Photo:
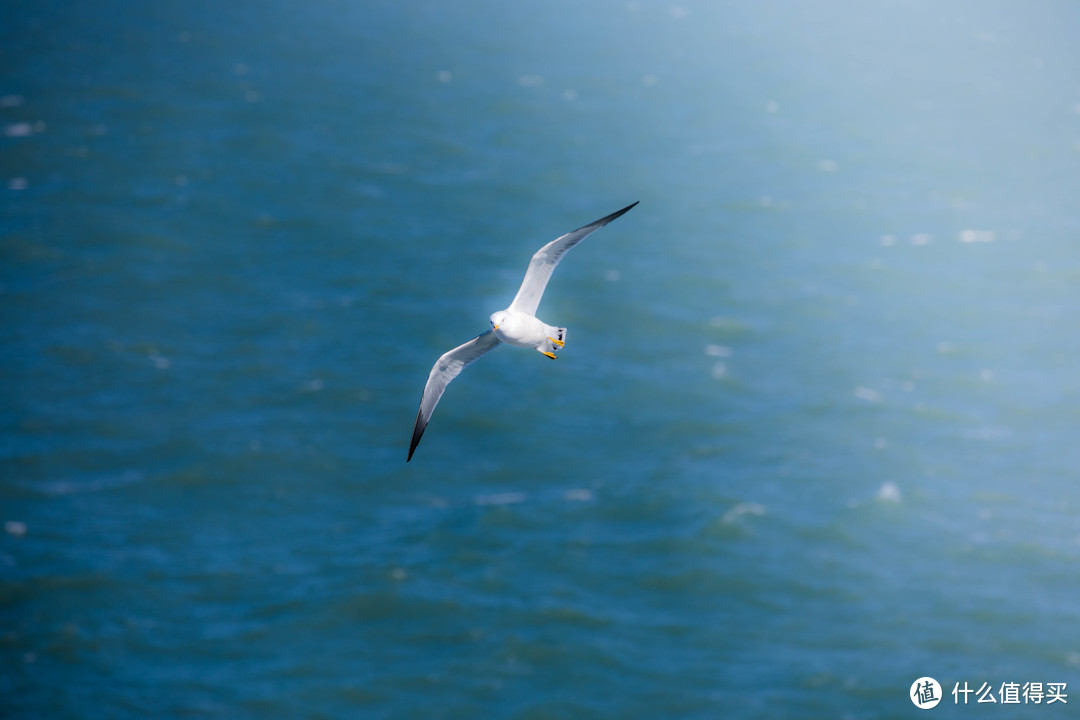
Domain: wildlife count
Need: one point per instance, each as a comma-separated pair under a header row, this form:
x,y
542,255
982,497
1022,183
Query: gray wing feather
x,y
446,368
546,258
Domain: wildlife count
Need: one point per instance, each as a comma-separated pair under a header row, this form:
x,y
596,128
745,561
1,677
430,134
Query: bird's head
x,y
498,319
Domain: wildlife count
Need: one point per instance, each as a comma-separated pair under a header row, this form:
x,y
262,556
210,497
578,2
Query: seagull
x,y
516,325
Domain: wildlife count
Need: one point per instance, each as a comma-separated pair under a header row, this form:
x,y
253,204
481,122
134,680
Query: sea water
x,y
813,435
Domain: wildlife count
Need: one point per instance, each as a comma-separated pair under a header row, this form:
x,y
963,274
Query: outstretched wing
x,y
546,258
446,368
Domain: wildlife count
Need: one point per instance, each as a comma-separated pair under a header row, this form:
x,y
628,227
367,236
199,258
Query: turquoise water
x,y
813,435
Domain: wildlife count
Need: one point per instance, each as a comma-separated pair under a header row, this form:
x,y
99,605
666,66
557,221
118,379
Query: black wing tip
x,y
617,214
418,432
626,209
597,224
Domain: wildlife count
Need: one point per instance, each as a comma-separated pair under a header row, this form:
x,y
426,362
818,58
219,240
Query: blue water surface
x,y
813,435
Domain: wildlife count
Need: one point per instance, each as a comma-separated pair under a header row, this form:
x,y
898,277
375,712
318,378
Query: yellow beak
x,y
494,326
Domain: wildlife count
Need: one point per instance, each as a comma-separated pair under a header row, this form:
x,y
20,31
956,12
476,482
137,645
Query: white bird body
x,y
516,325
528,331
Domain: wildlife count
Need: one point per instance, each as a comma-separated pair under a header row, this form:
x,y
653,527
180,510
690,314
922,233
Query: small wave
x,y
743,508
506,498
72,487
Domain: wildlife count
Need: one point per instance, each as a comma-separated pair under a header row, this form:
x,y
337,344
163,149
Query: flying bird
x,y
516,325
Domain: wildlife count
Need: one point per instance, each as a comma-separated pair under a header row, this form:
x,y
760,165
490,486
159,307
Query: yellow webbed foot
x,y
560,343
550,355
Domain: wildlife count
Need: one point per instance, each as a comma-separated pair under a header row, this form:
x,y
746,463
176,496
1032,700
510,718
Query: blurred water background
x,y
813,436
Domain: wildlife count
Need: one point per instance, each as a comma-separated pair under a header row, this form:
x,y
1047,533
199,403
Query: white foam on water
x,y
976,236
15,528
868,394
19,129
889,492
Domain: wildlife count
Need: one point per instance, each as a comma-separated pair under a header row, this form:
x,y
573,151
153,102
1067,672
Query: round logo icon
x,y
925,693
